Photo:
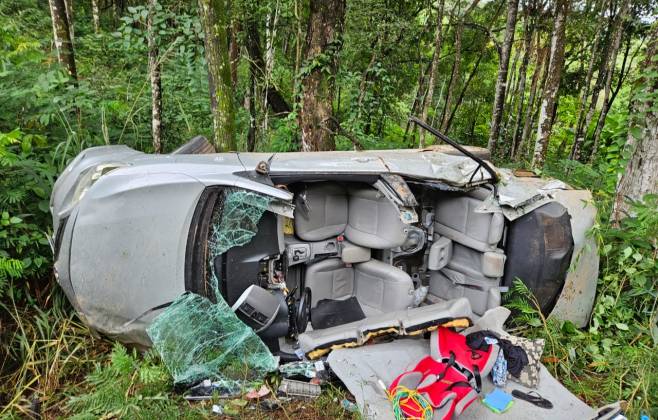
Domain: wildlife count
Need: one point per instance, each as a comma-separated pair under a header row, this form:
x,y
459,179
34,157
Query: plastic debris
x,y
217,409
255,394
199,339
299,389
207,389
349,406
301,368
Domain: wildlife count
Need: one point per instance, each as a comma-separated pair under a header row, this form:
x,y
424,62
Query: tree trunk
x,y
527,52
456,67
270,35
363,84
617,33
68,6
323,42
462,92
154,75
501,80
62,37
250,104
275,99
434,70
579,137
234,53
298,44
541,68
641,174
418,97
215,25
549,97
473,72
95,12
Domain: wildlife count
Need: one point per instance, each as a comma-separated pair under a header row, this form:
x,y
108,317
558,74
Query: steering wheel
x,y
303,315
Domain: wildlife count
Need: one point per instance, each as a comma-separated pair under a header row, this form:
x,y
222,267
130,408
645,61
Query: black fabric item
x,y
475,340
329,313
516,357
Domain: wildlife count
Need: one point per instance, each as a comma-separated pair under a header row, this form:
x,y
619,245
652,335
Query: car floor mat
x,y
331,312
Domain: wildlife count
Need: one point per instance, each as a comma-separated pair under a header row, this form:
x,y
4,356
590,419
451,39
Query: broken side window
x,y
198,339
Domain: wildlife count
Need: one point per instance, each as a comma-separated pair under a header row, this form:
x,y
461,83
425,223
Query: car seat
x,y
368,221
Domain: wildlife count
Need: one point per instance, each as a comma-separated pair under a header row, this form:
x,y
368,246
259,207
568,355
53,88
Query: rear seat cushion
x,y
329,279
373,221
457,219
382,287
320,211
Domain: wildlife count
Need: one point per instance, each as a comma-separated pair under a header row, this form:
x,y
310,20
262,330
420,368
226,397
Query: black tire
x,y
198,145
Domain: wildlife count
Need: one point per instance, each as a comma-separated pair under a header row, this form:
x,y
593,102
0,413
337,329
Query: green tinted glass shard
x,y
198,339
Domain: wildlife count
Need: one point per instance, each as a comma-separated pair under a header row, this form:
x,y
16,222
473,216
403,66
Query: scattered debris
x,y
300,368
206,389
349,406
299,389
270,404
217,409
255,394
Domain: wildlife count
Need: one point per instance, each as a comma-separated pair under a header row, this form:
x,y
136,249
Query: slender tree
x,y
434,69
62,37
154,76
68,7
456,66
617,32
528,33
501,80
214,18
96,16
550,94
323,42
580,113
257,65
641,174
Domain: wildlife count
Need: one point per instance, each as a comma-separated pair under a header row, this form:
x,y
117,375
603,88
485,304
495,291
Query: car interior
x,y
358,259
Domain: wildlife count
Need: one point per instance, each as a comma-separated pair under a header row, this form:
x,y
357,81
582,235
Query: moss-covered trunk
x,y
214,17
323,42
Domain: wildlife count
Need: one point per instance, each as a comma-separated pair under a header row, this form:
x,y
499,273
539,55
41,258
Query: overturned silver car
x,y
342,247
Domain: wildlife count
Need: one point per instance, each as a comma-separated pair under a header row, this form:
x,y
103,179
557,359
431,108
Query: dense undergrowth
x,y
52,364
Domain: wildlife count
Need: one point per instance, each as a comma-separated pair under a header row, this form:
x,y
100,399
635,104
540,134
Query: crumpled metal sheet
x,y
451,169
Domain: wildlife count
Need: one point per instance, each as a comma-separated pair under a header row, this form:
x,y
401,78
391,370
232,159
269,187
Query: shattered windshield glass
x,y
198,339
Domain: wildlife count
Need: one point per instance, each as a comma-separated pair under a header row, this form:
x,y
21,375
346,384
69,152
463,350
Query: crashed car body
x,y
370,230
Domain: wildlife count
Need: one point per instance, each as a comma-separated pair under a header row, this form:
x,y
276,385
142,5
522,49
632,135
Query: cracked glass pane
x,y
198,339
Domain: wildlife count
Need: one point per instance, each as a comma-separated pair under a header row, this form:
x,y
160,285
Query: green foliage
x,y
42,351
126,386
25,183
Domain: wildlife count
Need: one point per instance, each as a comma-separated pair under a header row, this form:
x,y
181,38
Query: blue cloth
x,y
499,370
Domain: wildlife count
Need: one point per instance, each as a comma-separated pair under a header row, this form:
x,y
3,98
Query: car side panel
x,y
128,246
